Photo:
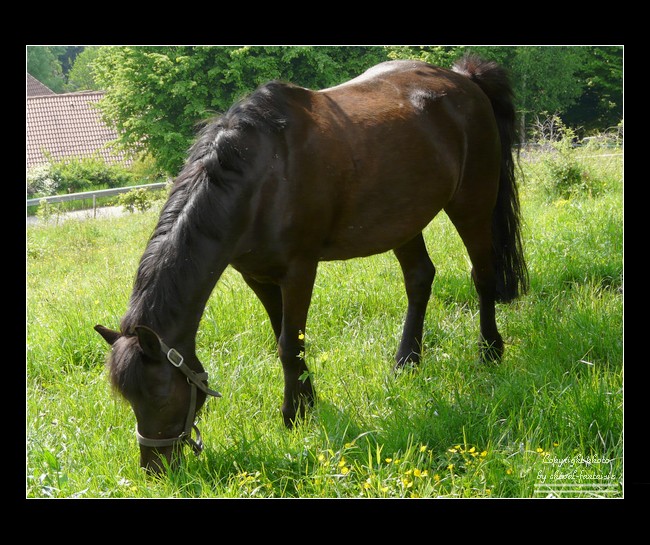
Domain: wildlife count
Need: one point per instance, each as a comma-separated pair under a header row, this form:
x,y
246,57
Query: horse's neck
x,y
175,311
181,266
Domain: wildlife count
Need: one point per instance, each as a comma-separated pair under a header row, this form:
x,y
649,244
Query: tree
x,y
67,57
80,76
43,63
546,79
439,55
601,104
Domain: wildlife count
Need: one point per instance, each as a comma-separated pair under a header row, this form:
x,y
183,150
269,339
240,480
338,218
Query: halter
x,y
195,380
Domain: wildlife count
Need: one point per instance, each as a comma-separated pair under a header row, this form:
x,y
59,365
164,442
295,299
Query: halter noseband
x,y
195,380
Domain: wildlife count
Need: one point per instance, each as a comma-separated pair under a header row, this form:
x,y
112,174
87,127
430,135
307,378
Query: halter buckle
x,y
179,358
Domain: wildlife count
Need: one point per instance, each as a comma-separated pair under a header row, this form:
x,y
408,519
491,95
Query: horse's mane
x,y
200,204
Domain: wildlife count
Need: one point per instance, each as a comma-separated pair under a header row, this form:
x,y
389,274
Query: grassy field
x,y
545,422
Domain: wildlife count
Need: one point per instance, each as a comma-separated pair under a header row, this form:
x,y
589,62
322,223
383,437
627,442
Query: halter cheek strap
x,y
195,380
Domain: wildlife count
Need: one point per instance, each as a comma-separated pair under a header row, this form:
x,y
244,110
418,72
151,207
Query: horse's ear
x,y
109,335
148,341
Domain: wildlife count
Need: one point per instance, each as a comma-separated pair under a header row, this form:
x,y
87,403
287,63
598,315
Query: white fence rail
x,y
86,195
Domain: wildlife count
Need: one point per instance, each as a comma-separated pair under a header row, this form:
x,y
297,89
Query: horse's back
x,y
392,72
367,164
393,146
405,79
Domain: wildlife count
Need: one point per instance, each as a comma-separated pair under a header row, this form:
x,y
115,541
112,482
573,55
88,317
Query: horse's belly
x,y
364,238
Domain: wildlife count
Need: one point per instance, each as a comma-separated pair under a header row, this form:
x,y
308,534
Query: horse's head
x,y
164,390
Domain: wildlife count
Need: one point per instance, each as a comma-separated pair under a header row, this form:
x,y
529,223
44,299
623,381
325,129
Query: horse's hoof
x,y
409,362
491,352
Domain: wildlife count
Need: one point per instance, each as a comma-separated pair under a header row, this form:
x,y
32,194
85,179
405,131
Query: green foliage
x,y
144,170
565,173
51,65
43,181
137,199
545,77
80,76
46,211
43,63
451,428
601,104
75,176
438,55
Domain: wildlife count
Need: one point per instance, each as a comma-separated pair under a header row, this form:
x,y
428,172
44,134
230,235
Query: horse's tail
x,y
510,264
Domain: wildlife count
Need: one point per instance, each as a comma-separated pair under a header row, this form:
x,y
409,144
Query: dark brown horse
x,y
290,177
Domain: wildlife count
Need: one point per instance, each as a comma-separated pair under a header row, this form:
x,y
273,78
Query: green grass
x,y
550,414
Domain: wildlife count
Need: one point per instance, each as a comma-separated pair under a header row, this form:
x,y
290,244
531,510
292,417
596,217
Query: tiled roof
x,y
36,88
68,125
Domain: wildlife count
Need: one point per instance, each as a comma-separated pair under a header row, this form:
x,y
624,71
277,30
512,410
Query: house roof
x,y
69,125
36,88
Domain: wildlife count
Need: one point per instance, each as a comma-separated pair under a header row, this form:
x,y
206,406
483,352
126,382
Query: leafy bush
x,y
47,211
42,181
564,174
136,199
75,176
145,171
87,174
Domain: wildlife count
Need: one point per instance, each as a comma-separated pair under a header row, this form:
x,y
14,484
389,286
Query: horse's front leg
x,y
297,287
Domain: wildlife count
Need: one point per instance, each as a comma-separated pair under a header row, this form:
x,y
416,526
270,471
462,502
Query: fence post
x,y
94,206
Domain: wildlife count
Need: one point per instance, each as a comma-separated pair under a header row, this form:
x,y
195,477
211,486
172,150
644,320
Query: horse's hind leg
x,y
419,273
477,237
